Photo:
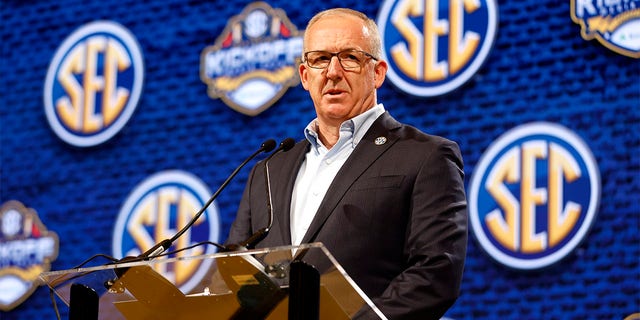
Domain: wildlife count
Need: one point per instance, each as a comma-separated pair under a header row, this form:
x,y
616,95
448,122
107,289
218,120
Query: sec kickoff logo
x,y
93,83
254,61
615,24
433,47
534,195
157,209
27,249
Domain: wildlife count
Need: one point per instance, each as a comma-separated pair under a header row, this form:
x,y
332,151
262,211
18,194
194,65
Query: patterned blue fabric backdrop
x,y
540,69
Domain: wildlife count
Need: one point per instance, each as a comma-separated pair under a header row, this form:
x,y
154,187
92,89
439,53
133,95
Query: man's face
x,y
340,94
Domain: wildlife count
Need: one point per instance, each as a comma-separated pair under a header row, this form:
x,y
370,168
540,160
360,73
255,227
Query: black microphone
x,y
259,235
165,244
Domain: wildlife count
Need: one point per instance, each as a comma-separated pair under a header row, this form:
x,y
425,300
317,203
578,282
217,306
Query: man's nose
x,y
334,68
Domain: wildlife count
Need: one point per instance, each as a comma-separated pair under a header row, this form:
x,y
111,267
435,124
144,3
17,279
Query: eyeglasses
x,y
349,59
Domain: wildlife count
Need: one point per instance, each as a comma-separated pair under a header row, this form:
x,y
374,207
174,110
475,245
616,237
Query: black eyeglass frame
x,y
337,55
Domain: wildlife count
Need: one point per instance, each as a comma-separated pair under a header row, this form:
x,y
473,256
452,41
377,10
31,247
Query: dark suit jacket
x,y
394,217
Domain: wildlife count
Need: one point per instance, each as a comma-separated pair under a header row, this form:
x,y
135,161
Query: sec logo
x,y
157,209
93,83
433,47
534,195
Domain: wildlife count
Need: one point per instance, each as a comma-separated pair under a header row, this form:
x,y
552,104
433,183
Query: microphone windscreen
x,y
268,145
287,144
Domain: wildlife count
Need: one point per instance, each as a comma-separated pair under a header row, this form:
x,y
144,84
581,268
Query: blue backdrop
x,y
540,69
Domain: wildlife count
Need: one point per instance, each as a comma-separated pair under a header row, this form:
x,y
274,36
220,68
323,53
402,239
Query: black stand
x,y
304,291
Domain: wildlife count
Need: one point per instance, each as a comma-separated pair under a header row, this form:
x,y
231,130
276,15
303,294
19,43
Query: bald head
x,y
369,27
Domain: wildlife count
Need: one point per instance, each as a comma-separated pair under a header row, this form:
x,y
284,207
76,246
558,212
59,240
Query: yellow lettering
x,y
531,196
513,223
142,217
78,109
69,107
433,29
92,84
505,229
156,211
189,205
461,47
114,98
561,221
167,199
408,60
417,56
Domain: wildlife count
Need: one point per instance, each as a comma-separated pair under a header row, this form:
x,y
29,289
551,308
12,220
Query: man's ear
x,y
302,70
380,71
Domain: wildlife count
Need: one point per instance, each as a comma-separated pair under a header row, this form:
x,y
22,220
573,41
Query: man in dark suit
x,y
386,199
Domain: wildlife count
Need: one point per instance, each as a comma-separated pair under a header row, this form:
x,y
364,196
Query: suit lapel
x,y
283,170
362,157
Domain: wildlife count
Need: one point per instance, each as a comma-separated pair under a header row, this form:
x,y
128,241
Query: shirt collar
x,y
358,125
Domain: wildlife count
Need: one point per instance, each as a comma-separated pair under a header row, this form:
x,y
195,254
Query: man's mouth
x,y
334,92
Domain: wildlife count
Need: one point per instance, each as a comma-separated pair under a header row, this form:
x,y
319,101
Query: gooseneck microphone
x,y
259,235
163,245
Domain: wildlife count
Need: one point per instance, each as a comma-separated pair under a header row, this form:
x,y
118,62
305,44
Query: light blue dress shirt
x,y
321,166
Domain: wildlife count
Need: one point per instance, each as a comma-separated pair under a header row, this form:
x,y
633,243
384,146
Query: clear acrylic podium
x,y
293,282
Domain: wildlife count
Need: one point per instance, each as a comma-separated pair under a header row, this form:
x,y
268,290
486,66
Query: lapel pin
x,y
380,141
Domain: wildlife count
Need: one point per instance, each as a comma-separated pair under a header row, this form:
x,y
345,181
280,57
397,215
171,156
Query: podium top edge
x,y
312,245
